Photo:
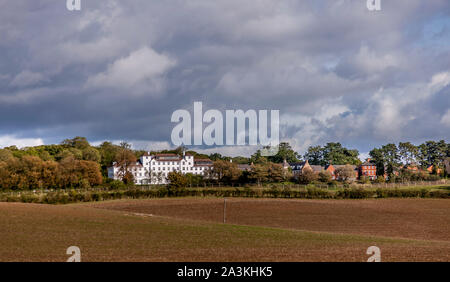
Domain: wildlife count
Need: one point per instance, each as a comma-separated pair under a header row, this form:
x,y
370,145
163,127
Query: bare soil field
x,y
424,219
189,230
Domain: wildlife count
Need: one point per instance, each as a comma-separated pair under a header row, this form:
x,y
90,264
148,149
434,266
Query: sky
x,y
117,70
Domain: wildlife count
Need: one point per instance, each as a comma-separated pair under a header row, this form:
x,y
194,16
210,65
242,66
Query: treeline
x,y
228,173
75,163
73,196
72,164
390,157
31,172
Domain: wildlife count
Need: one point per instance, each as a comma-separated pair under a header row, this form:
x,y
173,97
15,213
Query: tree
x,y
225,171
345,173
108,153
307,177
408,152
378,159
432,153
285,152
332,153
90,171
391,157
124,159
258,158
5,155
91,154
77,142
177,180
335,153
259,173
276,173
325,176
314,155
215,157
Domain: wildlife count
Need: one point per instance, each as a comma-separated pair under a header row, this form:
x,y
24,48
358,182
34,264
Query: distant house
x,y
332,170
299,168
244,167
367,169
412,167
154,169
317,168
430,169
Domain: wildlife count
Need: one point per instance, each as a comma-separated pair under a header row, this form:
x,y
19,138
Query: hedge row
x,y
66,197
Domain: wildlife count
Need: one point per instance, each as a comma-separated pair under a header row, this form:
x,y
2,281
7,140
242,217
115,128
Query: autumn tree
x,y
124,159
345,173
276,173
177,180
259,173
225,171
307,176
325,176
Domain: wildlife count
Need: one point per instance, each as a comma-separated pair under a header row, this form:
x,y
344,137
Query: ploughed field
x,y
192,229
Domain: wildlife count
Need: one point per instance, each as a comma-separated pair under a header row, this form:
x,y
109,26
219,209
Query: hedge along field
x,y
75,196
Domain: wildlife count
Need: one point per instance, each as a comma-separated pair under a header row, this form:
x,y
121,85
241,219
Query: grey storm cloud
x,y
116,70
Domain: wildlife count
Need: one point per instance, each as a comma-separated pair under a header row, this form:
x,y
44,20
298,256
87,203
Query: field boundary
x,y
76,196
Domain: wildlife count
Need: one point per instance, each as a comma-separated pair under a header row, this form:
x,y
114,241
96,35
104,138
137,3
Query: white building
x,y
154,169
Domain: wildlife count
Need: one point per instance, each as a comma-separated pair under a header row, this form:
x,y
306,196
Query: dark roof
x,y
203,162
341,166
317,168
244,166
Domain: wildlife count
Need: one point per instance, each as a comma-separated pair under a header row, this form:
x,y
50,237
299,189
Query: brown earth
x,y
424,219
188,230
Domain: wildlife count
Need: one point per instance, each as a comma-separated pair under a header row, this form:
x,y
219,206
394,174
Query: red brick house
x,y
367,169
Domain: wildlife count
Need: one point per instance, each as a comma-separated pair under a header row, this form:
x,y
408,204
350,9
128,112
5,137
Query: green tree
x,y
77,142
258,158
391,157
314,155
285,152
408,152
377,156
91,154
333,153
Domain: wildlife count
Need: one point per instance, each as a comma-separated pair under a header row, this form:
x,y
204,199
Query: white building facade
x,y
154,169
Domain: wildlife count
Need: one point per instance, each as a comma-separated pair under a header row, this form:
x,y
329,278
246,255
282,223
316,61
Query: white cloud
x,y
98,50
28,78
9,140
369,61
143,66
445,120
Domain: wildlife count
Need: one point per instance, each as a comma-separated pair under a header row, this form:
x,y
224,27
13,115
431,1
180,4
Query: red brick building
x,y
367,169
